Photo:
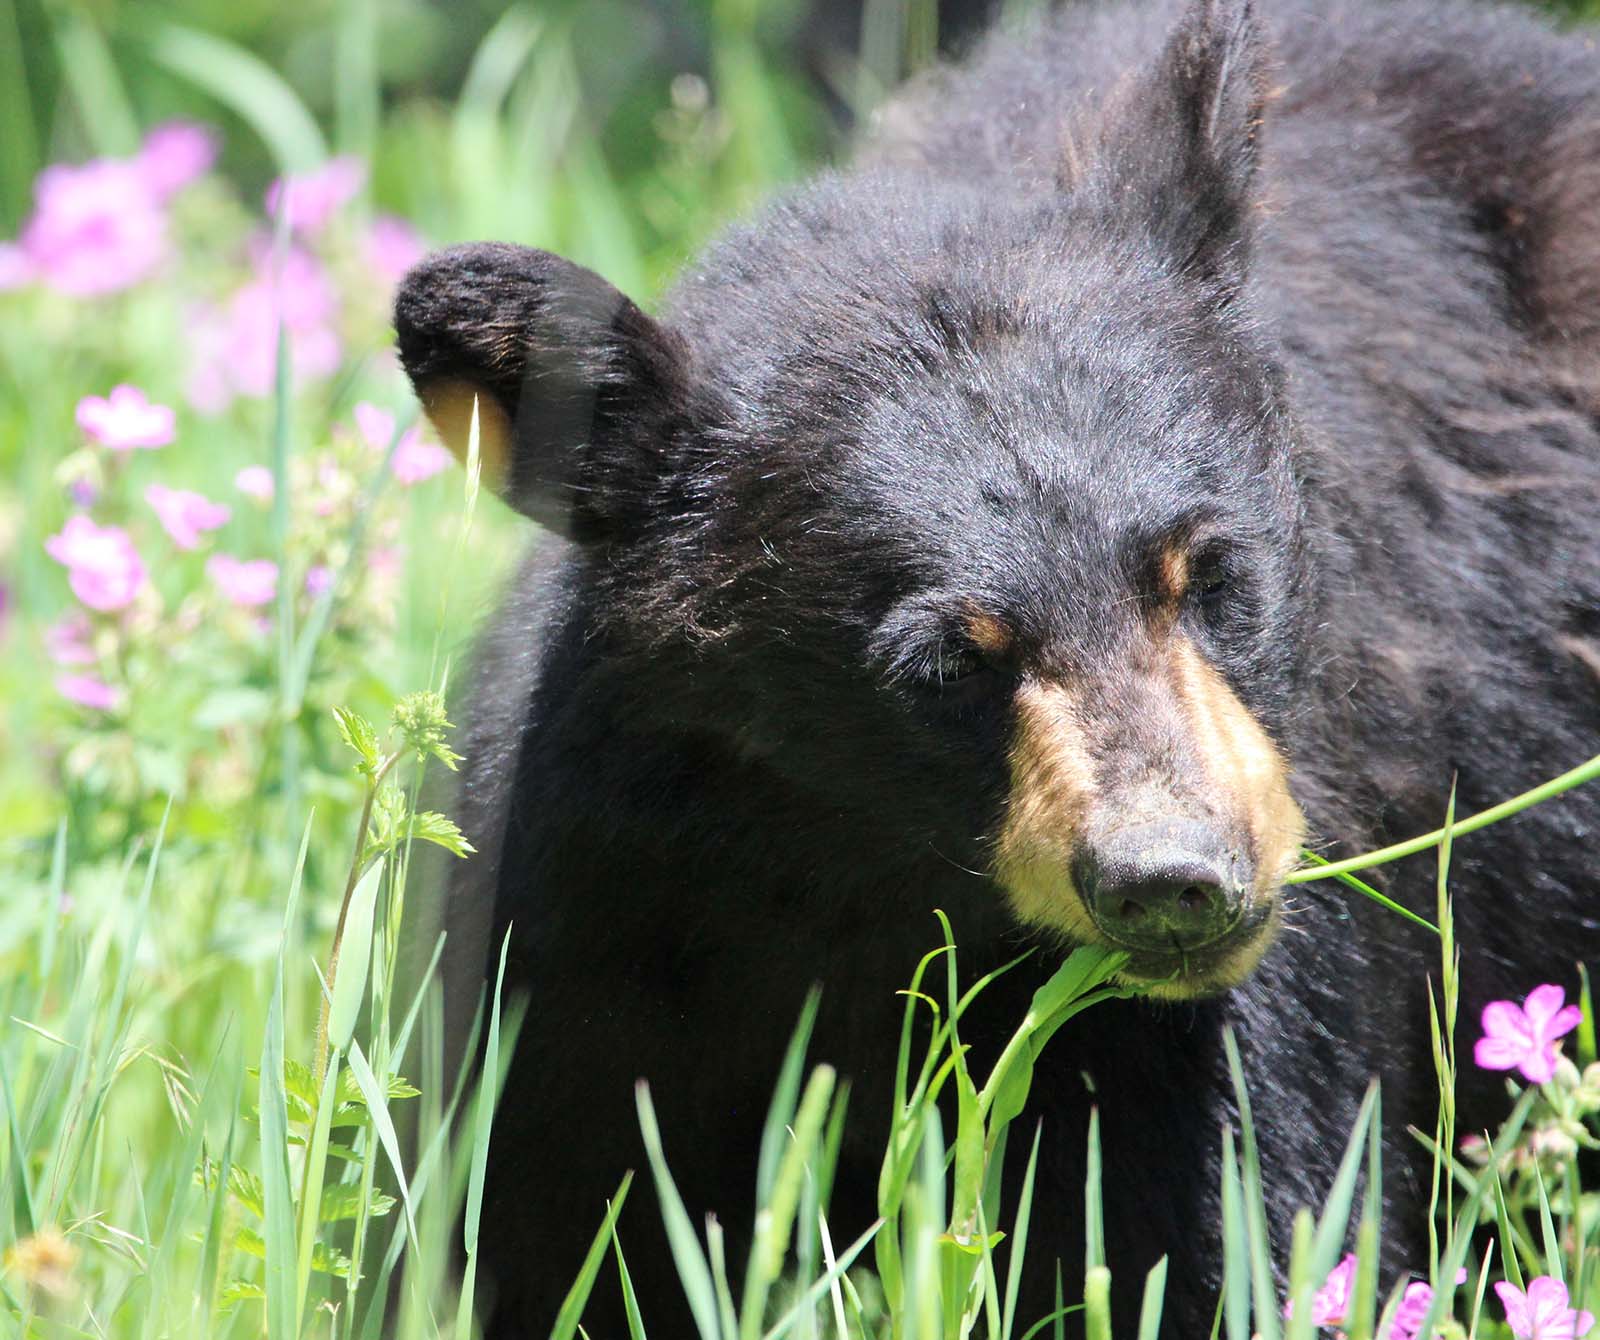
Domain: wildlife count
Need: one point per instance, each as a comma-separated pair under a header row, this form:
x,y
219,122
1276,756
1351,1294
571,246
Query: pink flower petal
x,y
1505,1019
244,582
255,481
415,460
175,154
87,691
1499,1053
126,419
311,199
95,229
186,515
375,425
103,568
1543,1003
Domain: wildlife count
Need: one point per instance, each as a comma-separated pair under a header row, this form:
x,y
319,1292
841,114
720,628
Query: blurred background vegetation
x,y
621,133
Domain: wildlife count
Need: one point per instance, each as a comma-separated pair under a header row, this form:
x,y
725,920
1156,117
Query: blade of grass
x,y
1584,772
1155,1289
687,1254
578,1295
1236,1263
247,85
482,1127
1258,1239
272,1106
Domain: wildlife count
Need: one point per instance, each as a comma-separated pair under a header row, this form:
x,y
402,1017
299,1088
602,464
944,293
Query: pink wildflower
x,y
415,460
375,425
186,515
87,691
95,229
393,247
175,154
1414,1305
67,640
126,419
311,199
319,580
1525,1037
1330,1303
240,344
1543,1313
247,582
255,481
103,568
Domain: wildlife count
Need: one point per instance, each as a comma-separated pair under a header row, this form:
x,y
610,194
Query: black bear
x,y
1176,439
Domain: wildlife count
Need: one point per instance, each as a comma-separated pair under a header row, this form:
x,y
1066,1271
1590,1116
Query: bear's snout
x,y
1164,886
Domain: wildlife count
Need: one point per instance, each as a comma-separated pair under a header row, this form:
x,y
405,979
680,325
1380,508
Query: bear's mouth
x,y
1204,970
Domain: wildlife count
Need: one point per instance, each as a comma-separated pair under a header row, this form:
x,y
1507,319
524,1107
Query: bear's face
x,y
974,520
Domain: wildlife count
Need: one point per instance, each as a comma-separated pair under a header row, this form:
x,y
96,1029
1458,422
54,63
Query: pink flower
x,y
186,515
239,346
126,419
175,154
1414,1305
415,460
311,199
319,579
1525,1037
67,640
375,425
1543,1312
95,229
1330,1303
103,568
87,691
247,582
255,481
393,247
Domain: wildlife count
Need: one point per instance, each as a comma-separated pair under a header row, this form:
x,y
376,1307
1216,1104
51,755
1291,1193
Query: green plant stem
x,y
1584,772
344,911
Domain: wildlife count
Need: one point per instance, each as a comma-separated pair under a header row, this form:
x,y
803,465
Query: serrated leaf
x,y
246,1188
343,1201
324,1259
358,733
441,831
239,1291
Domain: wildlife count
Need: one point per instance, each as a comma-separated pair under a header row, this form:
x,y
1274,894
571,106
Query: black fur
x,y
1326,282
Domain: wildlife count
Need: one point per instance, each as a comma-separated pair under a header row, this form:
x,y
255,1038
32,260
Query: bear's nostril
x,y
1160,886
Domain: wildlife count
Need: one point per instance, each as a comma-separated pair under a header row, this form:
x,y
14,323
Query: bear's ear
x,y
1181,141
575,386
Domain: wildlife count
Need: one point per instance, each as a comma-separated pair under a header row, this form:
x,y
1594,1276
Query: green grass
x,y
203,1104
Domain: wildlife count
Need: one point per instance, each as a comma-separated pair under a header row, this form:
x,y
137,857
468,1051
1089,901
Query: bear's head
x,y
967,508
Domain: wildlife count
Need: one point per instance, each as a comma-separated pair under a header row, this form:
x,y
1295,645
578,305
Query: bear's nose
x,y
1163,886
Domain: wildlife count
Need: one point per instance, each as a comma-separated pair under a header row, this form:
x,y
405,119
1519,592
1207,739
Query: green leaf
x,y
355,959
358,734
343,1201
687,1254
441,831
577,1298
247,84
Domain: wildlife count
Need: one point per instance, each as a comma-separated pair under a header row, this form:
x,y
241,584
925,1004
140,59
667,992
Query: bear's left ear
x,y
1180,143
576,387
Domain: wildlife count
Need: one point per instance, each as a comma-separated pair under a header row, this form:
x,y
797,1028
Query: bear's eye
x,y
955,660
1209,578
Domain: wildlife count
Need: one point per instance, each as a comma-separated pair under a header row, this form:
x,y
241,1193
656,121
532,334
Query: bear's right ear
x,y
575,385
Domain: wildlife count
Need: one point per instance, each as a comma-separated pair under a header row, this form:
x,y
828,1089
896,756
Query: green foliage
x,y
210,1047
